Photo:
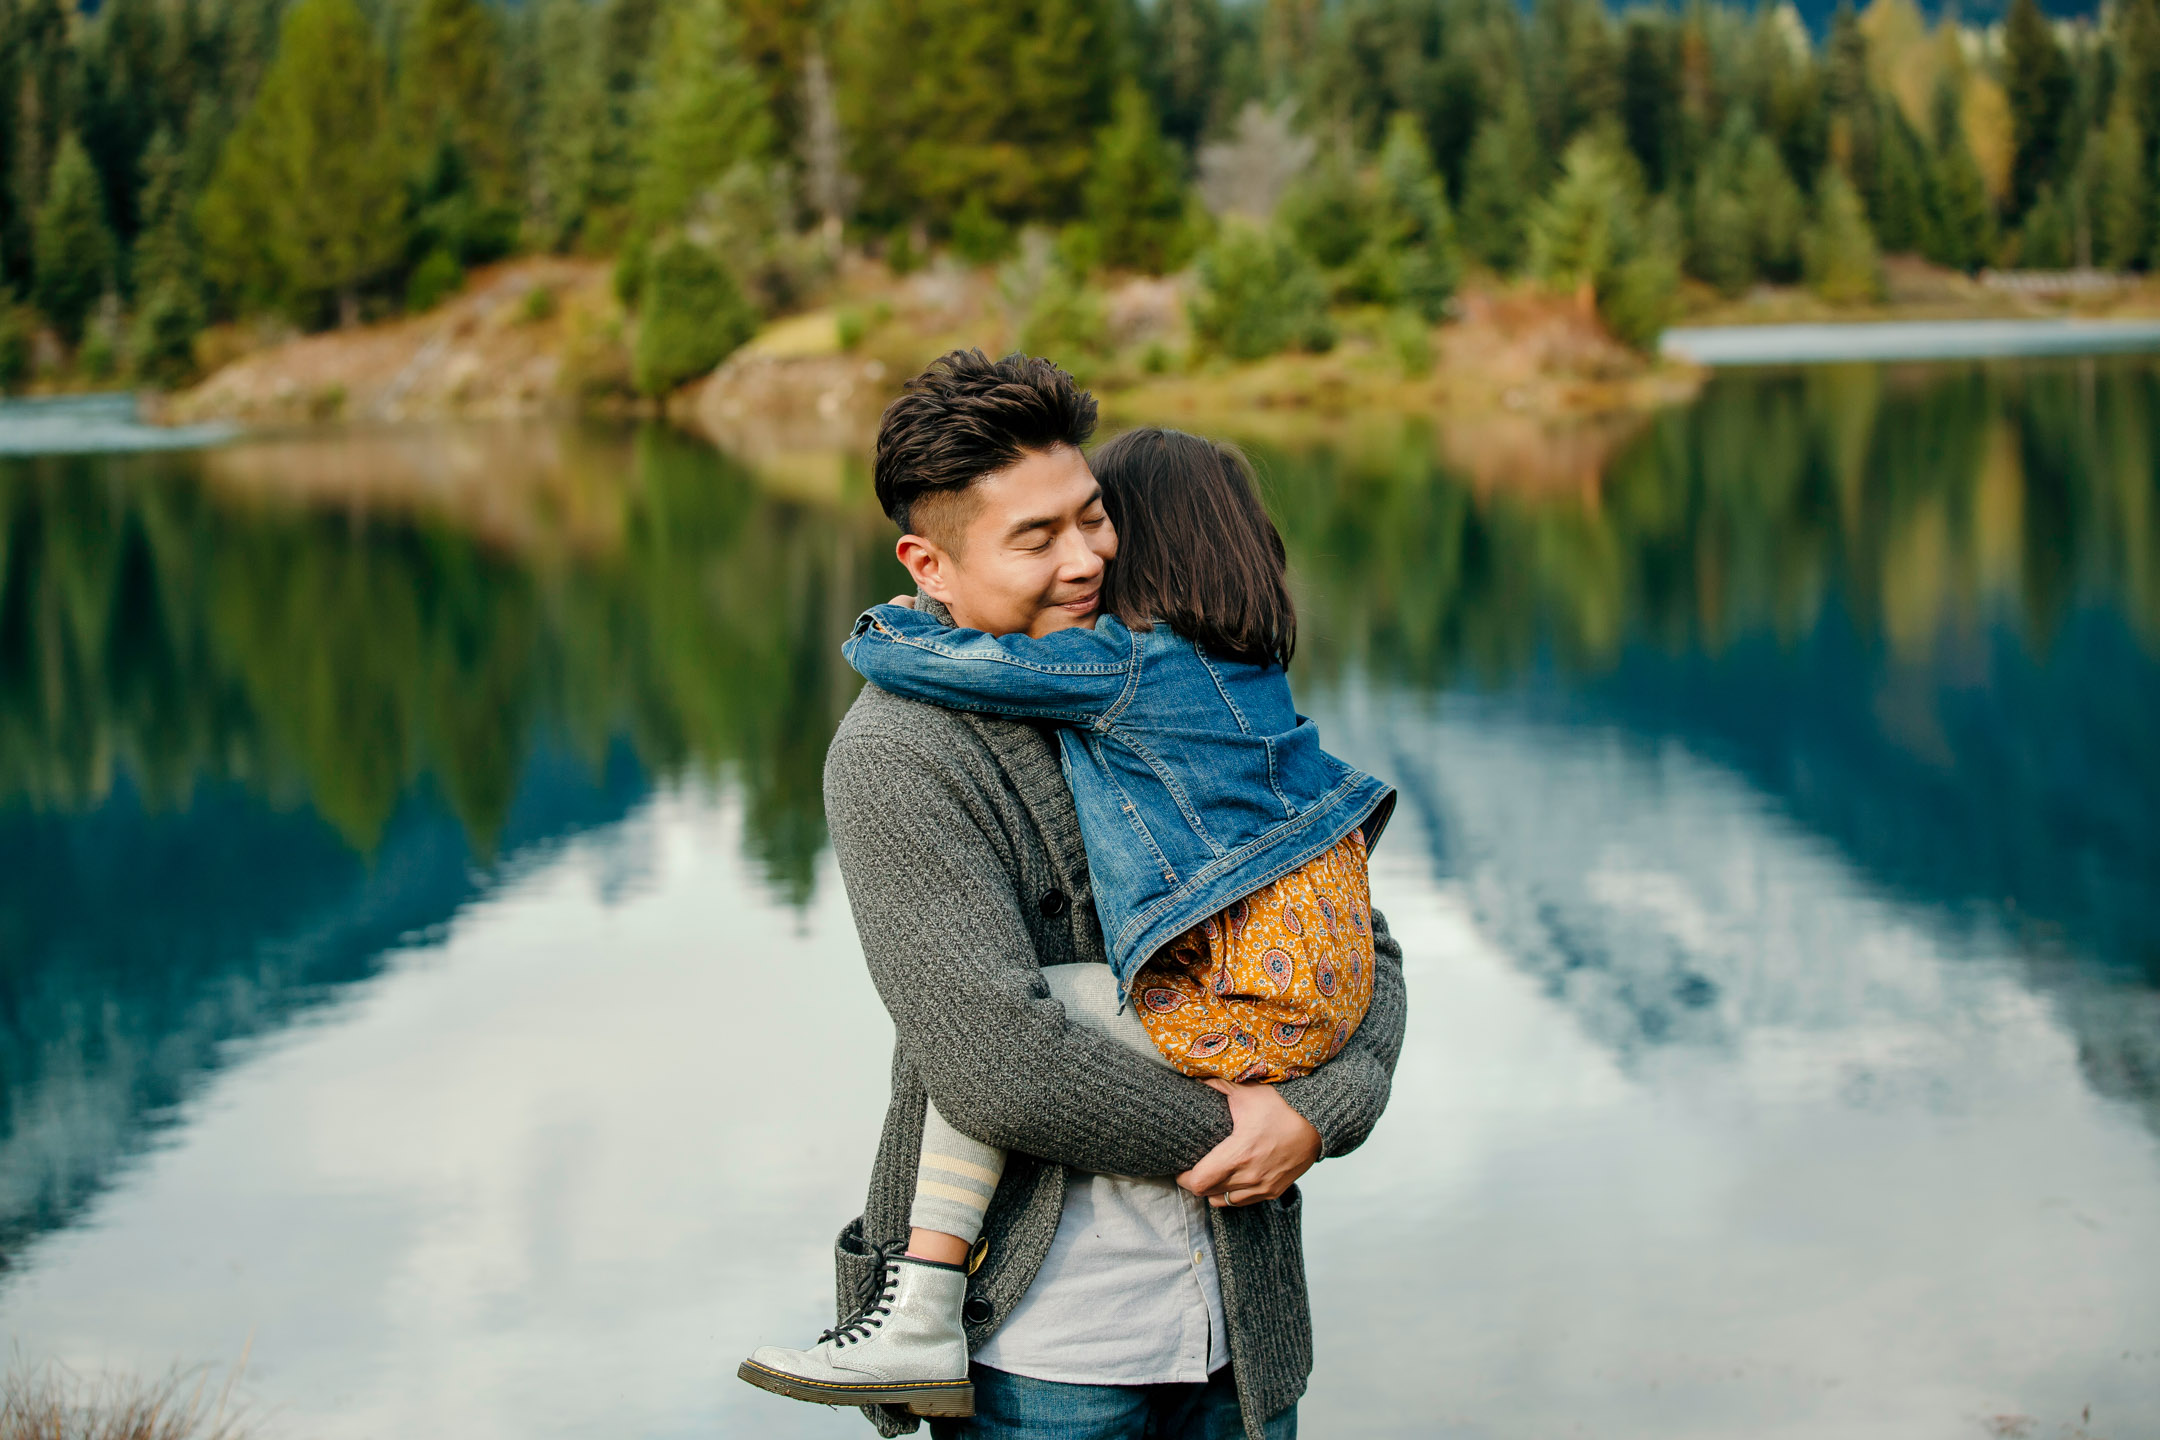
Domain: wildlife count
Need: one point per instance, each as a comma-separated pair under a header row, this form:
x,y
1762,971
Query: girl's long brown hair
x,y
1196,550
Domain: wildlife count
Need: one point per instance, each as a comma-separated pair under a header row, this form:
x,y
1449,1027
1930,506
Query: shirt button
x,y
1196,1257
1054,904
976,1311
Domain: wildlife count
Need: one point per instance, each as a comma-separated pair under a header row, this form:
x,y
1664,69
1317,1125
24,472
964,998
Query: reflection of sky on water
x,y
1699,1132
1778,869
138,944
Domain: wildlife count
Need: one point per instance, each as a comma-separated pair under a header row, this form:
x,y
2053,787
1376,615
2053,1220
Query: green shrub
x,y
901,256
978,236
692,316
1409,335
433,281
539,304
162,341
1259,294
850,327
1068,323
1080,247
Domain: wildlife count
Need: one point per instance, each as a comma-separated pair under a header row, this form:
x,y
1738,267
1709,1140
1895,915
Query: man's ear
x,y
928,564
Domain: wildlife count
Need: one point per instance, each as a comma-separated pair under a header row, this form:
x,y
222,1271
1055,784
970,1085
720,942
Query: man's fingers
x,y
1216,1169
1211,1174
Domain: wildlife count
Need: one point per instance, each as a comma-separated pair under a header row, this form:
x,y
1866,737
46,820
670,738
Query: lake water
x,y
407,899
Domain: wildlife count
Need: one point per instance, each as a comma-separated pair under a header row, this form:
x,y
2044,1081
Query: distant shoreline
x,y
1820,343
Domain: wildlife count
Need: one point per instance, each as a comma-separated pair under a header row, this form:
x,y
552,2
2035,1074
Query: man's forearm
x,y
1343,1098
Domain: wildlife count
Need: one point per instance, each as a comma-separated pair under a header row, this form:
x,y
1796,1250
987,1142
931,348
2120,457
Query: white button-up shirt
x,y
1128,1294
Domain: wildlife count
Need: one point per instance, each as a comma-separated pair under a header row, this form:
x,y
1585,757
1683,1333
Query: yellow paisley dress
x,y
1273,986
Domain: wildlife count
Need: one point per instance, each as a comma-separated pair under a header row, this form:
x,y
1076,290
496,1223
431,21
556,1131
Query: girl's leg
x,y
953,1187
909,1347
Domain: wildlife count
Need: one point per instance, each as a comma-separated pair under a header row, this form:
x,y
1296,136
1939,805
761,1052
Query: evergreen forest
x,y
169,166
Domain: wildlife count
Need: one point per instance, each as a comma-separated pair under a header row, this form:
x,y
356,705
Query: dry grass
x,y
50,1402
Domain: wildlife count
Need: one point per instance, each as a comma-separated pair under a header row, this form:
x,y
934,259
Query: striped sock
x,y
955,1182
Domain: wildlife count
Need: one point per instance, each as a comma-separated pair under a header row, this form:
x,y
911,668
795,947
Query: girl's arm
x,y
1072,675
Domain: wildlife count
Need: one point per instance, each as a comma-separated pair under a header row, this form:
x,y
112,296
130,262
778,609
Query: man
x,y
1140,1271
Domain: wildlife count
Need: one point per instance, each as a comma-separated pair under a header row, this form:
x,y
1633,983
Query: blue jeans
x,y
1013,1407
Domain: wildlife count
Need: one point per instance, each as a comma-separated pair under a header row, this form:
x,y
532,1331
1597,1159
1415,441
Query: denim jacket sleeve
x,y
1074,675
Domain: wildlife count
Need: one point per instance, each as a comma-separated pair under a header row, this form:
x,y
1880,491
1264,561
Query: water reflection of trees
x,y
1918,502
148,630
243,750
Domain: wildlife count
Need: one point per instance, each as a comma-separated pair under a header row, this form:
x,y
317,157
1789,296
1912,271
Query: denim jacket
x,y
1195,779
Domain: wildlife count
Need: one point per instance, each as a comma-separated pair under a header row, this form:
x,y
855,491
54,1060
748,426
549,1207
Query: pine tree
x,y
169,306
1413,233
1904,184
1777,212
123,95
1328,212
1185,43
1848,102
1843,263
705,111
73,247
951,99
1964,235
454,123
1721,246
1135,198
1501,172
308,203
1575,237
35,105
2037,76
1650,97
1594,235
625,47
2047,238
2137,50
570,117
1637,300
2122,208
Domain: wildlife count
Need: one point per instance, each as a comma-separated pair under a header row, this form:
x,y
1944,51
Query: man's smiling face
x,y
1021,551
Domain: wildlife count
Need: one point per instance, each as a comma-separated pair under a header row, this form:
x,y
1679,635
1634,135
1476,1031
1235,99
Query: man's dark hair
x,y
1196,550
965,417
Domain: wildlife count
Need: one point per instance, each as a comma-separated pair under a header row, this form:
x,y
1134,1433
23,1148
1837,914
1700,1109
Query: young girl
x,y
1226,854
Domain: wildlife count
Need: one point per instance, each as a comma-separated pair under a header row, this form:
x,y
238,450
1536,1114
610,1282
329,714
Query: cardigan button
x,y
1055,904
976,1311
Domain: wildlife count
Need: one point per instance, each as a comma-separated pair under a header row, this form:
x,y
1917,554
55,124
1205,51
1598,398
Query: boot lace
x,y
866,1322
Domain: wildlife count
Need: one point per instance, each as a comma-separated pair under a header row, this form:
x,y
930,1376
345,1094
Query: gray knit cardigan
x,y
961,852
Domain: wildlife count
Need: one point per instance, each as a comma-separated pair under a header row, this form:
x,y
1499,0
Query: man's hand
x,y
1270,1145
